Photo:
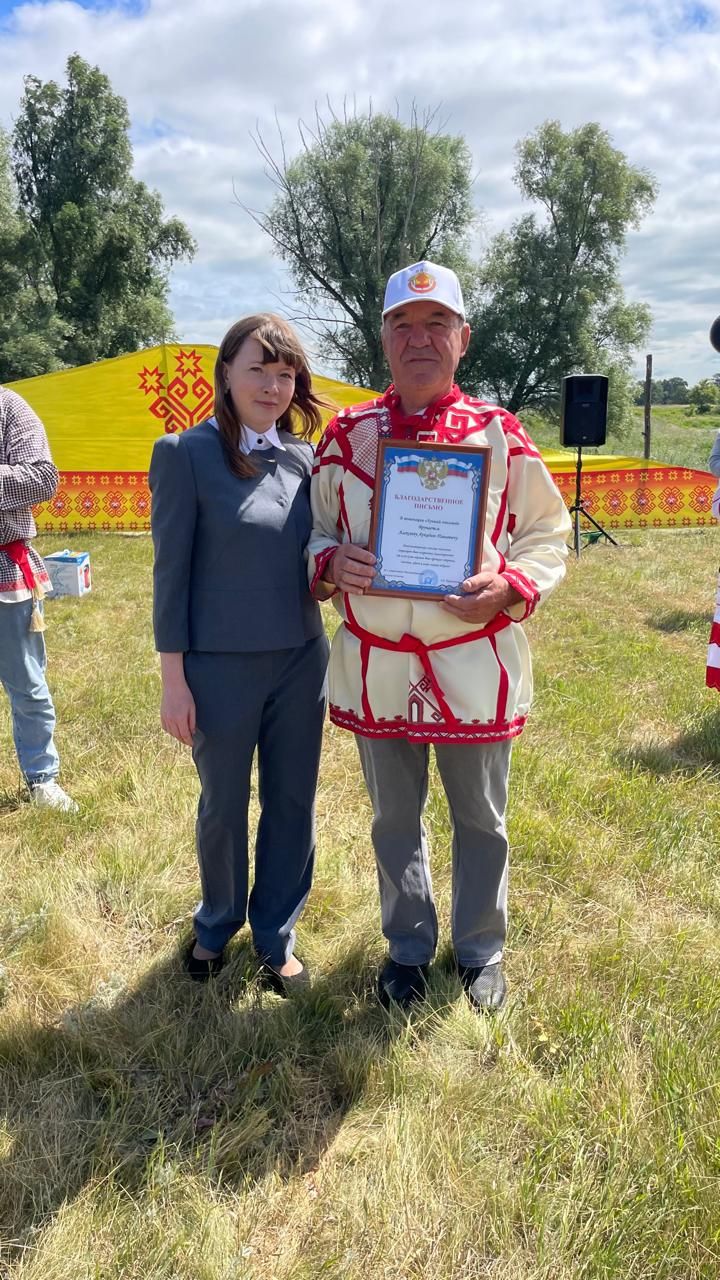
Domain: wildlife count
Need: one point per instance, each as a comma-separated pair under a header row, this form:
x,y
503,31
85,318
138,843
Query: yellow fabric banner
x,y
632,493
102,420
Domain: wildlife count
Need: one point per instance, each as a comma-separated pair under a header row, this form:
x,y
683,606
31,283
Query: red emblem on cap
x,y
422,282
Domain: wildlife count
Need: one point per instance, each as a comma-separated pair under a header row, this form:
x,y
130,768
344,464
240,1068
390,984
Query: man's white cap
x,y
424,282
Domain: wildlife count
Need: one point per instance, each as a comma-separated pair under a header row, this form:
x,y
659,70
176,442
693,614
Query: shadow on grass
x,y
228,1081
693,752
693,620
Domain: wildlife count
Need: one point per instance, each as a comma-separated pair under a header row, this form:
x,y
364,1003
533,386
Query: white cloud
x,y
197,79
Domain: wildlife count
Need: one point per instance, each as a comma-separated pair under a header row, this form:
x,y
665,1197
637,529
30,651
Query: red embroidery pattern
x,y
650,497
615,501
639,494
121,499
86,503
643,501
188,397
59,505
671,500
420,701
321,561
114,503
362,439
428,732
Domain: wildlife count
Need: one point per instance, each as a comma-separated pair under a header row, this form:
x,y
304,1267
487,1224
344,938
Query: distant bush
x,y
704,397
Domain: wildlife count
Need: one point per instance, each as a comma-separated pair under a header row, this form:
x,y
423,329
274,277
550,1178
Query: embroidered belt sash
x,y
18,553
412,644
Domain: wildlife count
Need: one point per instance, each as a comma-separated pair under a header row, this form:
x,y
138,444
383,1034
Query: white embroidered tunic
x,y
409,668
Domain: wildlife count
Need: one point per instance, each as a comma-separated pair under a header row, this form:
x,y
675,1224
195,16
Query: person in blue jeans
x,y
27,476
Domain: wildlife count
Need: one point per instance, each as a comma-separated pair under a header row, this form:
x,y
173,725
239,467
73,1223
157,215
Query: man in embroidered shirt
x,y
27,476
407,673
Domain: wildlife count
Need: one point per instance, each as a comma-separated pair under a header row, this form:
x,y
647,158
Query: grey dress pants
x,y
273,701
475,780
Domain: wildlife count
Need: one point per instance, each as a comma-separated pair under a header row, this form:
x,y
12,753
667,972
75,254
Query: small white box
x,y
69,573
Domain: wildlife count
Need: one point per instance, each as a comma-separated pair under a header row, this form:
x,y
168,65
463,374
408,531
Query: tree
x,y
673,391
366,196
29,329
101,248
664,391
549,301
705,396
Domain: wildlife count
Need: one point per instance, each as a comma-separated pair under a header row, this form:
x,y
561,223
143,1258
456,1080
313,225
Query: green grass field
x,y
152,1130
675,438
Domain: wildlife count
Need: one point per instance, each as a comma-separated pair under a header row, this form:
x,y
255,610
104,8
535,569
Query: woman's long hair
x,y
279,342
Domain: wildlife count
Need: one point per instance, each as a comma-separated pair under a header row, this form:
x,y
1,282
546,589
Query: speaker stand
x,y
578,511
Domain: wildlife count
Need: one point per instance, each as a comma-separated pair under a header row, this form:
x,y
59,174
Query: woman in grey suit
x,y
242,647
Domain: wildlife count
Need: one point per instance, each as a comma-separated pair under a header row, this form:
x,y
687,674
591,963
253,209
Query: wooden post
x,y
648,402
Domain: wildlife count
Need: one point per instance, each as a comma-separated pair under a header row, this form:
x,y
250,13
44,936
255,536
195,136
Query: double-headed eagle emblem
x,y
432,473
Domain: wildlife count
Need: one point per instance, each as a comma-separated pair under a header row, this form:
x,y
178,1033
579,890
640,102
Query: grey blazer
x,y
230,572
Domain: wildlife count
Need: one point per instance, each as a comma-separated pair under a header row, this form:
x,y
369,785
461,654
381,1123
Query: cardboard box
x,y
69,573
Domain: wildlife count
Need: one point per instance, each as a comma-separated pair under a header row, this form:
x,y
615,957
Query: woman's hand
x,y
177,708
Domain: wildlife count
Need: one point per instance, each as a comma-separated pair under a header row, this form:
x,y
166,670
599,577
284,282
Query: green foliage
x,y
705,396
672,391
369,194
663,391
92,243
549,301
29,329
675,439
366,196
620,392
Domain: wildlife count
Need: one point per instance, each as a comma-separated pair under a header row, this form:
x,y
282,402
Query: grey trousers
x,y
475,780
274,701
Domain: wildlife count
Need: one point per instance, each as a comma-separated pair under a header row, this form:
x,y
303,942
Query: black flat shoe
x,y
283,984
485,986
402,984
201,970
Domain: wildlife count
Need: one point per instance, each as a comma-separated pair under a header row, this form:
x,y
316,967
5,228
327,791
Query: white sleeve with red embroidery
x,y
327,534
540,527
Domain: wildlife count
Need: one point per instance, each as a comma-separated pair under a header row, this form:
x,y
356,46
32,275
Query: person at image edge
x,y
27,476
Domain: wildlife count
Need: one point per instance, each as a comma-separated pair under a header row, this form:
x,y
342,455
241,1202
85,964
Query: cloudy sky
x,y
198,78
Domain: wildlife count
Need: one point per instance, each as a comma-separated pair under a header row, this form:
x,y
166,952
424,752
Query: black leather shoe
x,y
485,987
283,984
403,984
201,970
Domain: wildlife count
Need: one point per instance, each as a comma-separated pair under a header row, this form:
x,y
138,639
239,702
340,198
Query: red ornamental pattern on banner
x,y
637,497
664,498
97,500
111,501
644,498
188,397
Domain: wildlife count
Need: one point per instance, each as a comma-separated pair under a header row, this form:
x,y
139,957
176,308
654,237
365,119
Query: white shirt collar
x,y
260,440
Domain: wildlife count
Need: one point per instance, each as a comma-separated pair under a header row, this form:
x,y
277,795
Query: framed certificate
x,y
428,516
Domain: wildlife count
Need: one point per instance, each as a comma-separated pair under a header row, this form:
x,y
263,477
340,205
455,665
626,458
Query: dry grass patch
x,y
150,1129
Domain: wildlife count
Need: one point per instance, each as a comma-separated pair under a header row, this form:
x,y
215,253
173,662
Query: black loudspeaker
x,y
583,410
715,333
